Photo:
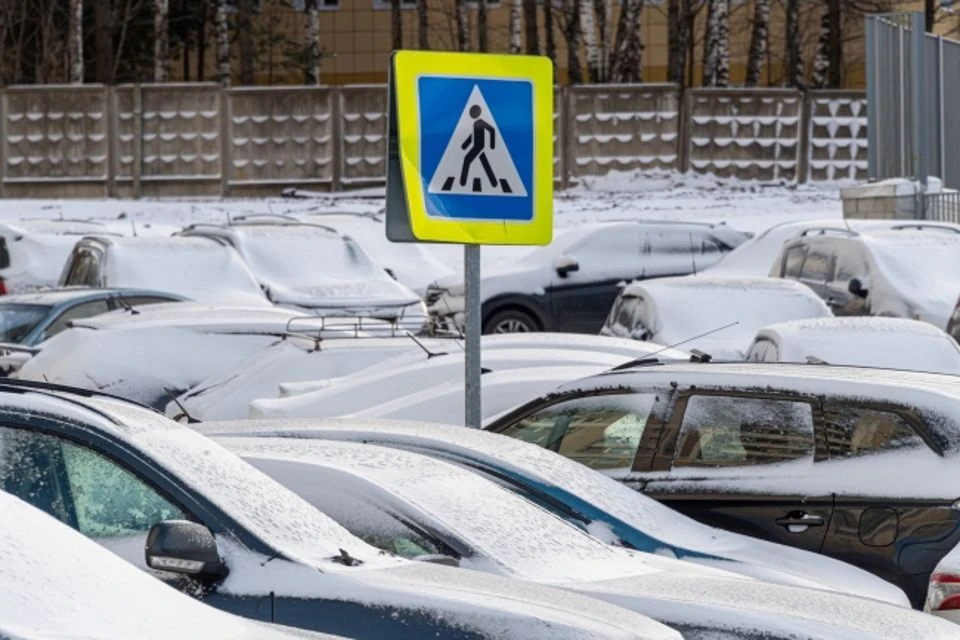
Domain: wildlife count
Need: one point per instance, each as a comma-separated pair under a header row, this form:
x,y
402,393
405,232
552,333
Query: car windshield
x,y
18,320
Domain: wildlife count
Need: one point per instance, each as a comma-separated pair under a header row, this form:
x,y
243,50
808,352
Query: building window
x,y
301,5
385,4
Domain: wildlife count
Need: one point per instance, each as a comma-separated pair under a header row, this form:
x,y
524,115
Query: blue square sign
x,y
477,147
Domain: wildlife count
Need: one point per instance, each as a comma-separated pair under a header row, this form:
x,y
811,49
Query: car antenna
x,y
183,409
133,225
119,297
430,354
650,357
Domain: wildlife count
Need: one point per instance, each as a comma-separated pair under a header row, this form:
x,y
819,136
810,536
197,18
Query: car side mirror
x,y
566,265
184,547
856,288
438,558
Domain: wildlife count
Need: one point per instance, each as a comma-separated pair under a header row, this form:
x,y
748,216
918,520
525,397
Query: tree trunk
x,y
708,61
603,29
794,71
930,13
628,49
483,41
530,27
759,36
821,63
423,25
463,26
588,28
551,44
516,26
103,36
76,41
835,49
202,42
673,41
312,72
223,44
161,40
396,25
716,61
572,36
245,40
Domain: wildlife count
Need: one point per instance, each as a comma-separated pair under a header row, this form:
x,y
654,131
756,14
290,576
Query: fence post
x,y
336,130
3,142
805,132
566,135
941,128
873,104
684,127
226,142
110,113
137,142
918,61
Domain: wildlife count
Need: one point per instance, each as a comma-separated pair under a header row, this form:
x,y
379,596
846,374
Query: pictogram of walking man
x,y
478,149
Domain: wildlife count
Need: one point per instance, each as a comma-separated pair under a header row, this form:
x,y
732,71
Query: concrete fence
x,y
200,139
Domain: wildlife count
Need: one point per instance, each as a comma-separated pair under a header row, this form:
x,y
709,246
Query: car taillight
x,y
943,592
3,287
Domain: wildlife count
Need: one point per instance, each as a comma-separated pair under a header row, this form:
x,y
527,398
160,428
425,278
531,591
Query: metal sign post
x,y
470,161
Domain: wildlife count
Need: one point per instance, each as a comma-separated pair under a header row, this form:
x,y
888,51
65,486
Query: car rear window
x,y
18,320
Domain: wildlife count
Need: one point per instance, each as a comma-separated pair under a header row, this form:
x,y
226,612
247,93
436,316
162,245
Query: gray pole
x,y
471,282
873,104
918,58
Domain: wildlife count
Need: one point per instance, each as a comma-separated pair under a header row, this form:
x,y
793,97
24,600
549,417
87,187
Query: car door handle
x,y
800,519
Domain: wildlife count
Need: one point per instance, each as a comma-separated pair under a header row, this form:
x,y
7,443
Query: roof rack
x,y
318,329
922,226
822,231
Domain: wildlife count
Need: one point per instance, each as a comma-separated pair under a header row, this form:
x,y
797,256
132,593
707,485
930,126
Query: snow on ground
x,y
747,206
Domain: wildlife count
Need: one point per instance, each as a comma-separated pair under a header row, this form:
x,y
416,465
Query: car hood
x,y
752,606
491,606
375,294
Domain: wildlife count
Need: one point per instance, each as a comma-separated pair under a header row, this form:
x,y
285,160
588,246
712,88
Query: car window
x,y
78,486
731,431
142,301
851,264
18,320
83,270
818,266
4,253
76,312
793,262
602,432
860,431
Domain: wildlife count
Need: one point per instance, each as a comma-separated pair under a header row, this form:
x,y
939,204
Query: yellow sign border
x,y
408,67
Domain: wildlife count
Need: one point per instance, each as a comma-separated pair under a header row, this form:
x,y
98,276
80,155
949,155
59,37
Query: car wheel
x,y
510,321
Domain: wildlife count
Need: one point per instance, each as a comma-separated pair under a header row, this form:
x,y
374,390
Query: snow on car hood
x,y
197,316
56,583
668,528
893,343
746,303
372,294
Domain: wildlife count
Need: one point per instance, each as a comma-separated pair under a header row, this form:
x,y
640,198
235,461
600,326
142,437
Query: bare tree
x,y
674,49
245,41
551,43
312,71
76,41
103,39
930,13
759,37
161,40
463,26
396,25
602,17
627,63
571,34
821,62
716,59
530,27
483,41
223,44
588,28
794,71
835,44
516,26
423,25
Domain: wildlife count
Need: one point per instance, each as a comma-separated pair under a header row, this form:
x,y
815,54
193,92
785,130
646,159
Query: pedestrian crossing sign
x,y
470,149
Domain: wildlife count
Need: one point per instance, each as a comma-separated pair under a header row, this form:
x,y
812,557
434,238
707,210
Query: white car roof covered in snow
x,y
55,582
893,343
197,268
678,309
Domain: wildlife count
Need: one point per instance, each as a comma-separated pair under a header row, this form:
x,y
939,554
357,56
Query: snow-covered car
x,y
718,315
943,592
890,343
570,284
755,256
908,272
593,500
314,267
953,326
299,366
167,499
418,507
55,583
500,392
859,464
197,268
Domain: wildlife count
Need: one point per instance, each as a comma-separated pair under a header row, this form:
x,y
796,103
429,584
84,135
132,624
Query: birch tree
x,y
223,43
588,29
794,72
530,27
76,41
312,71
821,61
716,63
628,49
759,37
571,34
463,26
396,25
516,26
161,39
423,25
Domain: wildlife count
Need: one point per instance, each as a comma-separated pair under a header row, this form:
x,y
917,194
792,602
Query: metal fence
x,y
913,93
200,139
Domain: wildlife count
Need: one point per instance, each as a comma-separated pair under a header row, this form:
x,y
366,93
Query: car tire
x,y
510,321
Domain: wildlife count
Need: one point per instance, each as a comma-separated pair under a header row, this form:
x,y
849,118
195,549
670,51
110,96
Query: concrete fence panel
x,y
278,138
622,128
55,139
837,133
363,140
751,134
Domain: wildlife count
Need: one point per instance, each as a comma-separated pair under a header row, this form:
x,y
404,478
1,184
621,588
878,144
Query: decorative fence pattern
x,y
199,139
